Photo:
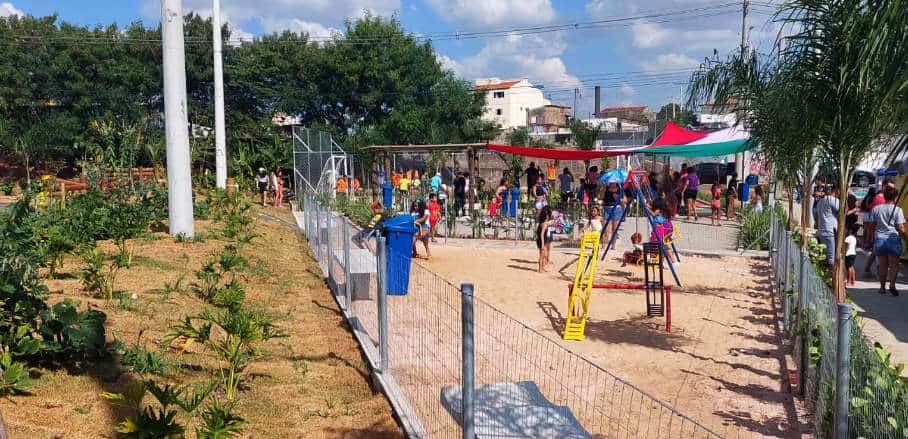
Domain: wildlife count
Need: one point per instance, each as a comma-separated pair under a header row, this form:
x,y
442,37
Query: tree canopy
x,y
375,84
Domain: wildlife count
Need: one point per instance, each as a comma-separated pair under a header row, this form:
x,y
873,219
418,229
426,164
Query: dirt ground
x,y
313,384
721,364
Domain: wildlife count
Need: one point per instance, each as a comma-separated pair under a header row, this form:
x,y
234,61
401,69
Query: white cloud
x,y
478,13
536,57
670,61
448,63
647,35
314,16
627,90
8,10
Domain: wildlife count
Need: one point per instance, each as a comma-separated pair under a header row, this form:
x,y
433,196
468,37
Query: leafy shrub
x,y
159,420
14,377
235,213
99,276
232,335
67,331
217,278
755,229
144,362
220,422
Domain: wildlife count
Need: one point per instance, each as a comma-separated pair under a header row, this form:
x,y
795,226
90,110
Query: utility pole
x,y
574,109
220,141
739,157
176,123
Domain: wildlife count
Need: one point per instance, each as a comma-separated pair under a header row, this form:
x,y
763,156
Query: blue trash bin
x,y
387,195
751,180
515,197
399,231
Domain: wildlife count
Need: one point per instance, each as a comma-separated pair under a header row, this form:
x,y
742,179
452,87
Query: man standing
x,y
567,181
460,191
532,174
826,217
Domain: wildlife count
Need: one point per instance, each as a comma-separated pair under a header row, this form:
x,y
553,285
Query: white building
x,y
508,102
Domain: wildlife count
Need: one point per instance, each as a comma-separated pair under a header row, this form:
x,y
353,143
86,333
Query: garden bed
x,y
313,382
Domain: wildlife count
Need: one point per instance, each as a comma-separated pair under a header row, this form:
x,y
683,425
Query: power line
x,y
665,16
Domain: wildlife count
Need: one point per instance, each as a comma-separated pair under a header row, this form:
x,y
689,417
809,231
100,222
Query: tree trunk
x,y
805,212
790,207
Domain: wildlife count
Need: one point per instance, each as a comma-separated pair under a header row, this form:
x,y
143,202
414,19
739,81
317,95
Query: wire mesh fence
x,y
526,385
876,396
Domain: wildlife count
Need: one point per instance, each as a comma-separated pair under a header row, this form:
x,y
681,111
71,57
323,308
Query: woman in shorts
x,y
887,243
261,179
690,187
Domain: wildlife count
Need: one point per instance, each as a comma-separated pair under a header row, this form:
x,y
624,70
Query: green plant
x,y
219,422
14,377
217,278
174,287
234,212
232,335
67,331
144,362
754,229
99,276
157,421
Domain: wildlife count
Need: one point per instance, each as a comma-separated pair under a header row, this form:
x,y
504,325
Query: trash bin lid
x,y
400,223
386,186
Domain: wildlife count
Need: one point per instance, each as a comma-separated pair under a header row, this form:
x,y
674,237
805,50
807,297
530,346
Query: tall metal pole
x,y
739,157
179,177
468,371
382,304
843,371
220,141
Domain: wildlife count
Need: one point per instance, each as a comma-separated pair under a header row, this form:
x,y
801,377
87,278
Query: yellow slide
x,y
579,300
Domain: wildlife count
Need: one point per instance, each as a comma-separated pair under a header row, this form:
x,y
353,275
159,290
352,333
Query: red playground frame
x,y
668,297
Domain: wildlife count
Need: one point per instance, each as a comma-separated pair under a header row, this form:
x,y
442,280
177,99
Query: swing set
x,y
655,257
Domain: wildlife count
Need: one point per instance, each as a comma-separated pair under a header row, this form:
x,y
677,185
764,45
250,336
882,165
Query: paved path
x,y
885,318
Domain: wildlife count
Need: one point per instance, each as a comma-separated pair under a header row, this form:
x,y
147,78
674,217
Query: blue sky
x,y
639,52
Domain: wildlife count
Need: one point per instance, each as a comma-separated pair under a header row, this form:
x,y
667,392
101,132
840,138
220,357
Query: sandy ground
x,y
721,364
312,384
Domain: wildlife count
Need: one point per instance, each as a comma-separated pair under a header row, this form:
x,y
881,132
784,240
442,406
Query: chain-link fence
x,y
847,381
526,385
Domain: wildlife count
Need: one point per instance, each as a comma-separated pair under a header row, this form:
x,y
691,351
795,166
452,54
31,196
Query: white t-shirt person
x,y
851,245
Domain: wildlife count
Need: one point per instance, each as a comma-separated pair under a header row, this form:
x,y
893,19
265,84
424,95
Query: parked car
x,y
714,172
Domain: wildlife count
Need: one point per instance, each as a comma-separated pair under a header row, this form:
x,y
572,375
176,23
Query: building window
x,y
498,95
498,112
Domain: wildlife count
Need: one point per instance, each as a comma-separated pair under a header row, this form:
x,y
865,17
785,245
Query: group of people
x,y
343,185
272,183
883,230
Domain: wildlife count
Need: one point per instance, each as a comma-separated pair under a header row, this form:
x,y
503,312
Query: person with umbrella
x,y
613,200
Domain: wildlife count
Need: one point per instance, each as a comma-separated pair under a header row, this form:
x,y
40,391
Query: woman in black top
x,y
731,196
544,236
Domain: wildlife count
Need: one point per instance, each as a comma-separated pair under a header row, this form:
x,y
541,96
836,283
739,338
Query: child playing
x,y
434,215
716,204
544,236
420,213
633,256
371,229
851,245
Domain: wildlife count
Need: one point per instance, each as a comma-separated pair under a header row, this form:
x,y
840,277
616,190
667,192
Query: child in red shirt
x,y
434,214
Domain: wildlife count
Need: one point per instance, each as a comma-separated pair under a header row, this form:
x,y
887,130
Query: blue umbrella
x,y
613,176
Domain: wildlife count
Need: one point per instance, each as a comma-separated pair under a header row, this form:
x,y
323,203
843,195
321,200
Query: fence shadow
x,y
642,331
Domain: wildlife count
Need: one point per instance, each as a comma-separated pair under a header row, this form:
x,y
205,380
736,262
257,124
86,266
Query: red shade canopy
x,y
552,154
675,135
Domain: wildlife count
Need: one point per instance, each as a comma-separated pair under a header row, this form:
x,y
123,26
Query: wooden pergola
x,y
469,148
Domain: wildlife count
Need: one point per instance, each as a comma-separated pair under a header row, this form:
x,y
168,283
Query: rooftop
x,y
496,86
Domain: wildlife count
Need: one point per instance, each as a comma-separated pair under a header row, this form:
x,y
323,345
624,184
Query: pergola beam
x,y
442,147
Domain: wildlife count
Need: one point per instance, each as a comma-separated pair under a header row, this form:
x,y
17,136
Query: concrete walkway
x,y
884,317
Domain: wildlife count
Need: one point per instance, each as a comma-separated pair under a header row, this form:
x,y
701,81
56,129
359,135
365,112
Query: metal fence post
x,y
318,233
843,371
789,258
348,287
382,270
467,372
329,225
802,307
